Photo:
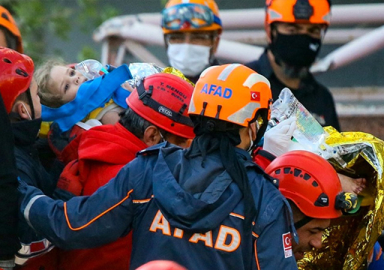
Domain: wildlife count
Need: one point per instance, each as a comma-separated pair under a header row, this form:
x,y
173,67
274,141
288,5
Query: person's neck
x,y
291,83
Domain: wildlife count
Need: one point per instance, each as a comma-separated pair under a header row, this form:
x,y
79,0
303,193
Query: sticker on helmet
x,y
255,96
287,244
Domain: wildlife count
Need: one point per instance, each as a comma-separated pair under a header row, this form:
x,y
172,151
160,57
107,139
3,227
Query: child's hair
x,y
43,79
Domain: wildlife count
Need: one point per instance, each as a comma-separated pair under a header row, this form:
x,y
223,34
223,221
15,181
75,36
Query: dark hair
x,y
134,123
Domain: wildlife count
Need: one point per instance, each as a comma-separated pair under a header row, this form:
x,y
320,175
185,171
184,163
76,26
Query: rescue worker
x,y
20,95
9,242
10,36
295,30
152,116
209,201
192,32
315,194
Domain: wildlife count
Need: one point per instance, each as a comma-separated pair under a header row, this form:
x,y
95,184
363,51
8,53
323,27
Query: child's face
x,y
65,81
35,98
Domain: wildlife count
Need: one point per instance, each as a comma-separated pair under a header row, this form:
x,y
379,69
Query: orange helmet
x,y
16,71
298,11
190,15
163,99
7,21
233,93
310,182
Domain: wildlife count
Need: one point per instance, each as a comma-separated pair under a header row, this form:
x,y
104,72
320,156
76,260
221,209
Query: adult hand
x,y
278,139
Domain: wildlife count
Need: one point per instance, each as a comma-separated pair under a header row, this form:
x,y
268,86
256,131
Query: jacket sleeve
x,y
9,242
273,245
82,222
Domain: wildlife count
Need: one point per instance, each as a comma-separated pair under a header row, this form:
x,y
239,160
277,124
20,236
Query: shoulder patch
x,y
287,244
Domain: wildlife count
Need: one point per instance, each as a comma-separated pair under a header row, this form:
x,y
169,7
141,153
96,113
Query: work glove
x,y
278,140
7,264
69,183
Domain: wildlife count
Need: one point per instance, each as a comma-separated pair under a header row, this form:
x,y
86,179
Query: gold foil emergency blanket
x,y
349,240
174,71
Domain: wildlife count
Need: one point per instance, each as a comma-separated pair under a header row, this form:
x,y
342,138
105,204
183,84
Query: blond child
x,y
59,85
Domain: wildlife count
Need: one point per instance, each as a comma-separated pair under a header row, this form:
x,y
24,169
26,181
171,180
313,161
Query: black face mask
x,y
296,51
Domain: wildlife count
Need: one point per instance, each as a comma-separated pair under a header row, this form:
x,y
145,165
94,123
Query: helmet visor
x,y
186,16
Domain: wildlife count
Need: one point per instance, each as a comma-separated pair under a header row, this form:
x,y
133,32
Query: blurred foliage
x,y
163,2
39,20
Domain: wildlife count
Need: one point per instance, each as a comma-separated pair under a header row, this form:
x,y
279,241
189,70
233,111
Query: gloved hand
x,y
7,264
70,180
277,140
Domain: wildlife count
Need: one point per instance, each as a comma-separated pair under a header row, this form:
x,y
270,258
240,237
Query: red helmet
x,y
7,21
16,71
309,181
163,100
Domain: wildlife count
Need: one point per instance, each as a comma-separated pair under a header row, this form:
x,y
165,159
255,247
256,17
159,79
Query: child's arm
x,y
111,117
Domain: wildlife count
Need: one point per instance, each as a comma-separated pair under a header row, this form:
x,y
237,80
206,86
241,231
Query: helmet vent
x,y
278,171
5,16
21,72
306,176
315,184
297,172
6,60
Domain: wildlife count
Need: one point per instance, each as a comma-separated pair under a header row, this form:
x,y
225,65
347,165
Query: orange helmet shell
x,y
7,21
209,3
298,11
16,71
232,93
172,95
309,181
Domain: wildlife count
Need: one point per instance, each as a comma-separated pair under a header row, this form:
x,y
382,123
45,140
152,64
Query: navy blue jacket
x,y
198,230
30,170
9,242
316,98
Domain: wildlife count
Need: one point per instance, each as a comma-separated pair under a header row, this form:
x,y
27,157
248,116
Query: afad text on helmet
x,y
216,91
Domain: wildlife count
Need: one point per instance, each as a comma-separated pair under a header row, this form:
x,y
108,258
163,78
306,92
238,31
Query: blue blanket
x,y
90,96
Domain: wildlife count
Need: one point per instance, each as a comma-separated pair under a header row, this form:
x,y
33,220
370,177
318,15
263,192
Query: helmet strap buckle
x,y
144,95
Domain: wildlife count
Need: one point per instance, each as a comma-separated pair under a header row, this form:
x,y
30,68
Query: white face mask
x,y
190,59
250,148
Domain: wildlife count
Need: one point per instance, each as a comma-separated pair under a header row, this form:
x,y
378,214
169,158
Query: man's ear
x,y
151,136
253,128
21,110
215,45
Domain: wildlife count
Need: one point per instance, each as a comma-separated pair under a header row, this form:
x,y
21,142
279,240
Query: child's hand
x,y
127,86
110,118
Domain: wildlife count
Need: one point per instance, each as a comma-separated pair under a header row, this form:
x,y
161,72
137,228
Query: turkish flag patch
x,y
287,244
255,96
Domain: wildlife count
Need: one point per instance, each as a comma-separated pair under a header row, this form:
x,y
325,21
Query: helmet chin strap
x,y
30,104
302,222
25,108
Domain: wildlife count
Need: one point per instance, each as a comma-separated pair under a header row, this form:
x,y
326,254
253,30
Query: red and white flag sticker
x,y
287,243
